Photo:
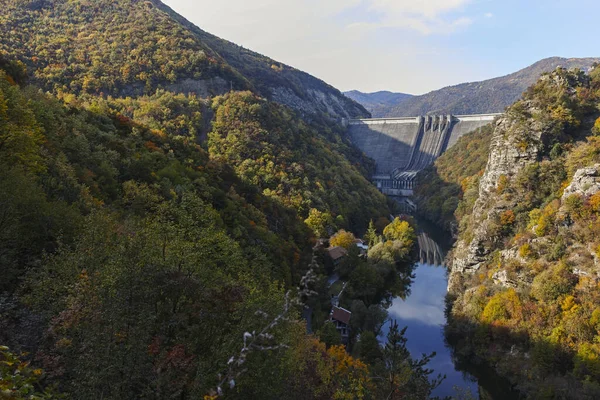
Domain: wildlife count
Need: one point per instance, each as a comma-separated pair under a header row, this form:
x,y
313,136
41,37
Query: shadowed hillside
x,y
378,103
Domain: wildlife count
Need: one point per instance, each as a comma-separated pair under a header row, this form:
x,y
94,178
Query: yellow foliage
x,y
343,239
502,184
400,230
569,304
525,250
594,202
502,307
596,128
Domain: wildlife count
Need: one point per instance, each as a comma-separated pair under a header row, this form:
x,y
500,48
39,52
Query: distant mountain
x,y
378,103
489,96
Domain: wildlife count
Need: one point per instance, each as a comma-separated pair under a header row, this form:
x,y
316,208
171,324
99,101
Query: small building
x,y
337,254
341,318
362,246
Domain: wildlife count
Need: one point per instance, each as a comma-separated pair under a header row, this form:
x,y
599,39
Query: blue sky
x,y
406,46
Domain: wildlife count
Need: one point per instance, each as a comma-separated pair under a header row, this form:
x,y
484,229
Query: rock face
x,y
315,101
586,182
515,144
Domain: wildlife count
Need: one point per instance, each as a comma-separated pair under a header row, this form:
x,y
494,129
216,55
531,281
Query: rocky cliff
x,y
525,269
517,142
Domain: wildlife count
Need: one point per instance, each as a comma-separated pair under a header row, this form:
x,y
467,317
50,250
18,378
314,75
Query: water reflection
x,y
423,313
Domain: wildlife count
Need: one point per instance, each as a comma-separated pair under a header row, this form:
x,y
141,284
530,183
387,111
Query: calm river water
x,y
423,313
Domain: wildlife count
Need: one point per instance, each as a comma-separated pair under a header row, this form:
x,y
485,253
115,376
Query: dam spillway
x,y
401,147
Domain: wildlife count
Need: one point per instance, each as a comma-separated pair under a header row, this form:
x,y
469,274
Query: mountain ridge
x,y
85,47
377,102
480,97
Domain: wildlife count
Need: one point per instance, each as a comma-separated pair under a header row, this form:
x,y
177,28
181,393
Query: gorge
x,y
185,218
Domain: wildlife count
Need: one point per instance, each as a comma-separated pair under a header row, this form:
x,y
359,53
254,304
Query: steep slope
x,y
129,47
132,257
490,96
453,177
378,103
523,284
277,81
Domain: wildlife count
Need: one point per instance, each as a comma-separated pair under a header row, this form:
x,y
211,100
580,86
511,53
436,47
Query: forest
x,y
161,240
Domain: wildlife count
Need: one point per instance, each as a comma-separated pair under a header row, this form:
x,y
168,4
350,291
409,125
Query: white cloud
x,y
429,9
425,16
488,15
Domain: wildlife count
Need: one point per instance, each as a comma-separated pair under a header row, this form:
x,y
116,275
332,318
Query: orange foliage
x,y
507,218
150,145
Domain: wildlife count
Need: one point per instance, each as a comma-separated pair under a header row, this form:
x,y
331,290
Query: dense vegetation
x,y
158,230
136,264
126,47
453,180
531,307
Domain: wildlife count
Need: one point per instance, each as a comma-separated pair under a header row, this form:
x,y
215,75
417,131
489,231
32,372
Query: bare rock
x,y
586,182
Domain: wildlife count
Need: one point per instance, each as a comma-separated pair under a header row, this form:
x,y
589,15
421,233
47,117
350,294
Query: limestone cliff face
x,y
526,266
586,182
516,143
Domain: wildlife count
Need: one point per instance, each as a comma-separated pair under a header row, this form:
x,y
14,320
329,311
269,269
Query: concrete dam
x,y
401,147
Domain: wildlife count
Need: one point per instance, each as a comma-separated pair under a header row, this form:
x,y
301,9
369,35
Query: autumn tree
x,y
319,222
343,239
400,230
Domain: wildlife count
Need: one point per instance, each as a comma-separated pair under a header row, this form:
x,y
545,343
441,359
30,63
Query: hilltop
x,y
129,48
489,96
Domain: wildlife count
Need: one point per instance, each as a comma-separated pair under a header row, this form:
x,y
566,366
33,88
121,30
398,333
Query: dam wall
x,y
401,147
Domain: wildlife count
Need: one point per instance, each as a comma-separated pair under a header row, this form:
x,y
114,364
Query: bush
x,y
503,306
553,283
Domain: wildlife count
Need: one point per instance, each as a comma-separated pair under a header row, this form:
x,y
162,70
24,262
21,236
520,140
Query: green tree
x,y
371,235
406,377
319,222
329,334
400,230
369,349
19,381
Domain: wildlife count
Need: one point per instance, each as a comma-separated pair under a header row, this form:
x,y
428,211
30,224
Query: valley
x,y
184,218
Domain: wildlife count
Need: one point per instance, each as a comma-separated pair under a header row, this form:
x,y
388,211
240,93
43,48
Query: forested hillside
x,y
158,228
133,259
130,47
524,277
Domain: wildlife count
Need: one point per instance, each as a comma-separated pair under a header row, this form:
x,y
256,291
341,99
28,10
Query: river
x,y
422,312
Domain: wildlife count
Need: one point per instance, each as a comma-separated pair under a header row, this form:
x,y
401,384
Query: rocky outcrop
x,y
515,144
585,182
201,87
315,102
